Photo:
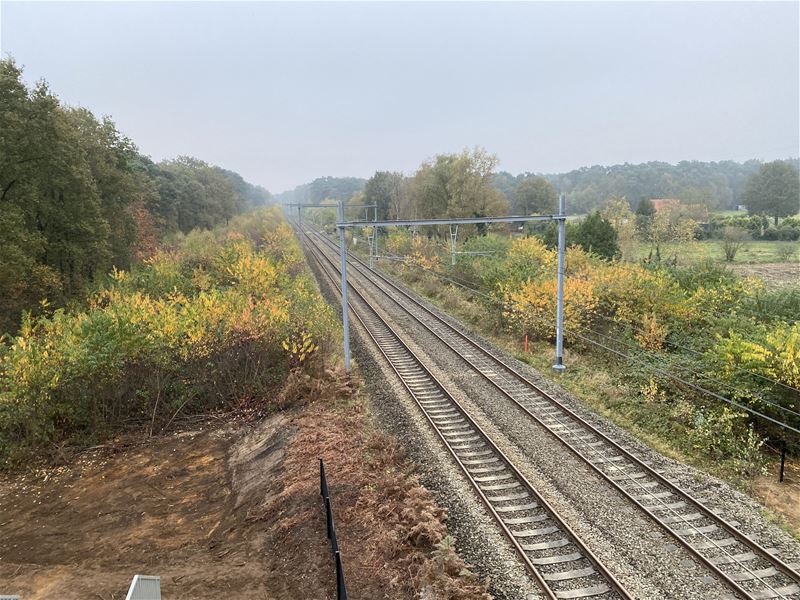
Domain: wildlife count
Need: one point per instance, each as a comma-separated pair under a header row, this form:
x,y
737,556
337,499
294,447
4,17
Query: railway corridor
x,y
646,526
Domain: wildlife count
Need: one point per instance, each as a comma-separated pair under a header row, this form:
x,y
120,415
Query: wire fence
x,y
341,590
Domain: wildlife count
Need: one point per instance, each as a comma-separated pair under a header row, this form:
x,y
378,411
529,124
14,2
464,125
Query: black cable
x,y
702,375
700,353
646,364
691,385
609,319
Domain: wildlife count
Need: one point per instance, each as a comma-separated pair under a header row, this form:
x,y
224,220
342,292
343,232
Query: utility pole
x,y
345,310
562,245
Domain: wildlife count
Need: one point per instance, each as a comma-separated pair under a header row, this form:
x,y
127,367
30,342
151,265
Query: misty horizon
x,y
286,93
789,159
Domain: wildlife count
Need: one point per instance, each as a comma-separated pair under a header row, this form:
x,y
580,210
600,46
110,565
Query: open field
x,y
730,213
754,252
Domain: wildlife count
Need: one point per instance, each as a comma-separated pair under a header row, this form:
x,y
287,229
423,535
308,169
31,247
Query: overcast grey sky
x,y
284,93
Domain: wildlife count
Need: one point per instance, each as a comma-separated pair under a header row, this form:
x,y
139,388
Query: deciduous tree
x,y
535,195
774,191
617,211
390,192
77,198
458,185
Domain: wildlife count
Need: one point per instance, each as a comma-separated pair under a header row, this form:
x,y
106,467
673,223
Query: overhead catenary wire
x,y
692,385
736,369
701,353
661,371
747,312
702,375
689,384
756,315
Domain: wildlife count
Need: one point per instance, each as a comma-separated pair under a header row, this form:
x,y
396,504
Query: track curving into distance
x,y
561,564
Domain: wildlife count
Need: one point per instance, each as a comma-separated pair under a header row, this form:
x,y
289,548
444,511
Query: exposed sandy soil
x,y
782,497
232,510
167,507
774,275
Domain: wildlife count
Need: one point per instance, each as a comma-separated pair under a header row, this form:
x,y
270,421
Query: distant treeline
x,y
322,188
77,198
718,185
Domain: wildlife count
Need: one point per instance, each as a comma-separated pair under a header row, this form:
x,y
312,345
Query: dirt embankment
x,y
230,509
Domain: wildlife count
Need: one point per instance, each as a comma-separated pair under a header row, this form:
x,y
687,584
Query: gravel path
x,y
645,559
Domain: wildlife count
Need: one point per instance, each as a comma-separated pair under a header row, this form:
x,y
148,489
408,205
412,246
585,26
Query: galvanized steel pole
x,y
372,252
560,217
453,239
375,240
562,245
345,311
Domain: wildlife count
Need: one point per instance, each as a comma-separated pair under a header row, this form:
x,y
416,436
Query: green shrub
x,y
773,305
481,271
596,235
724,434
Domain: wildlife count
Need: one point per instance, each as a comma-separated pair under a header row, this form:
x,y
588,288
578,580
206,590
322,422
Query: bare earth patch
x,y
774,275
782,497
232,510
390,530
161,508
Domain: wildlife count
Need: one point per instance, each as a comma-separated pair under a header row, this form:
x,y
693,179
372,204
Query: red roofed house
x,y
665,203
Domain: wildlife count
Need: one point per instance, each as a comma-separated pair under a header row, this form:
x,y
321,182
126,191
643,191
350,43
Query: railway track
x,y
753,572
560,563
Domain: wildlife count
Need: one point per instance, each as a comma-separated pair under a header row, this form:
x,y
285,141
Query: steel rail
x,y
484,465
617,475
